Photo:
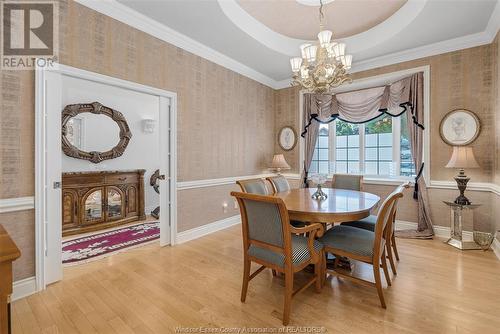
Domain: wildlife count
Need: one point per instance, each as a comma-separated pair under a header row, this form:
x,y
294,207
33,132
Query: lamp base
x,y
462,181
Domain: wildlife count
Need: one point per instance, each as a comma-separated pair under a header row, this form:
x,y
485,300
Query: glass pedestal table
x,y
457,225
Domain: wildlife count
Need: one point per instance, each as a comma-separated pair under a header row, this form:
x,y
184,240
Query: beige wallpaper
x,y
225,120
286,104
20,226
495,100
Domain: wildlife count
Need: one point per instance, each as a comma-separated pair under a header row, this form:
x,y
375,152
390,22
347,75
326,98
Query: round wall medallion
x,y
460,127
287,138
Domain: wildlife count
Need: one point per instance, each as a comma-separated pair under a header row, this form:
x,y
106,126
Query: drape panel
x,y
309,140
416,134
364,105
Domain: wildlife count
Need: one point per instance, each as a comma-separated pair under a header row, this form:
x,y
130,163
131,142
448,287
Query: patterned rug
x,y
100,245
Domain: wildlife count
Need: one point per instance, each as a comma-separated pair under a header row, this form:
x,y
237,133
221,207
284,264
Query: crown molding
x,y
143,23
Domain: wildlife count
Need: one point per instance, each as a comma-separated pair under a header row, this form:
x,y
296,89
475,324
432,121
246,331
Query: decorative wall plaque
x,y
460,127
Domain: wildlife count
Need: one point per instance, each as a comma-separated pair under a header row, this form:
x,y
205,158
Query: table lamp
x,y
462,157
279,163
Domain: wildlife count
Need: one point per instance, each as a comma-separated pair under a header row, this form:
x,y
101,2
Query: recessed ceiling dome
x,y
299,19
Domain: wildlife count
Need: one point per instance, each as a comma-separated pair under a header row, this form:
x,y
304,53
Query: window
x,y
380,147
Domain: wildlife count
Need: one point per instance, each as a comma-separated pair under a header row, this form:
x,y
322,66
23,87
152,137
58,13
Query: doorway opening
x,y
100,141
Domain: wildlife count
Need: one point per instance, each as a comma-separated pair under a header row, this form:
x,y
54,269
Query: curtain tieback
x,y
419,174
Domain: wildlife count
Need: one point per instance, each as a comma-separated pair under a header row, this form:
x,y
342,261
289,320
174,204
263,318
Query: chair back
x,y
279,183
385,220
265,223
253,186
392,223
347,181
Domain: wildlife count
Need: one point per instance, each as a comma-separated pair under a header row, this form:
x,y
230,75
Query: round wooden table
x,y
340,206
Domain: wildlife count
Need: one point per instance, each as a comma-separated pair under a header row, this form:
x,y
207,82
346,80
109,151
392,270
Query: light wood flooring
x,y
154,290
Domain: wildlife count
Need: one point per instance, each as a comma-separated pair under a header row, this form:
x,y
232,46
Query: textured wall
x,y
495,199
225,120
286,102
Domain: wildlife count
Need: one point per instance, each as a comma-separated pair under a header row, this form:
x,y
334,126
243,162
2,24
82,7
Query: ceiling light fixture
x,y
322,66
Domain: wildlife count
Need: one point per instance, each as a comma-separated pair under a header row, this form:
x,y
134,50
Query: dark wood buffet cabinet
x,y
98,200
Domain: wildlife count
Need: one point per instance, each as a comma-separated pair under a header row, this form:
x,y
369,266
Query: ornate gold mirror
x,y
109,126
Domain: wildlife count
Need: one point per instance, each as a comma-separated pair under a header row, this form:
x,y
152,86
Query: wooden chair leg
x,y
324,274
393,244
386,271
391,258
246,278
318,273
288,296
378,283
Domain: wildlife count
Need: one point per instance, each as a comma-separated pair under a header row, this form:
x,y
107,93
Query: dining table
x,y
341,205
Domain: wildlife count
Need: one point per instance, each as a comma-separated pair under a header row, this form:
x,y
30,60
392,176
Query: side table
x,y
456,230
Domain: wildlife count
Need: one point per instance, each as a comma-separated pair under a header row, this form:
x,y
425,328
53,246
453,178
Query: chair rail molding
x,y
17,204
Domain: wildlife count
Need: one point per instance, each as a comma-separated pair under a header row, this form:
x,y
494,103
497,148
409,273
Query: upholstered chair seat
x,y
349,239
300,252
367,223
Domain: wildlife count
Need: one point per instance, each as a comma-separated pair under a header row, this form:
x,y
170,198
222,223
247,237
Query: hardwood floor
x,y
154,290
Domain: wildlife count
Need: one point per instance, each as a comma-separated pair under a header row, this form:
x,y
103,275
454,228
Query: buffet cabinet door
x,y
115,203
132,201
93,206
69,208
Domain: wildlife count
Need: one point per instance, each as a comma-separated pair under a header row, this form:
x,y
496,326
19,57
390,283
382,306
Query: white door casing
x,y
48,169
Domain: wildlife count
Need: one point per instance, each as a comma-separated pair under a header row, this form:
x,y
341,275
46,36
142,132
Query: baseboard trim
x,y
23,288
439,231
207,229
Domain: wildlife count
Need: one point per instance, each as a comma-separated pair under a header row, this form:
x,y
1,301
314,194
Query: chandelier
x,y
323,66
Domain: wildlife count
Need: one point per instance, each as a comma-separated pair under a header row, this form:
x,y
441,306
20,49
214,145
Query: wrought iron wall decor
x,y
153,182
96,157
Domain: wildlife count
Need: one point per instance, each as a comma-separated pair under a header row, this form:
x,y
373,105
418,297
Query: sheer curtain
x,y
364,105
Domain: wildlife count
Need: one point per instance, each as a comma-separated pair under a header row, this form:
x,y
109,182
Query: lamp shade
x,y
310,53
324,37
279,162
462,157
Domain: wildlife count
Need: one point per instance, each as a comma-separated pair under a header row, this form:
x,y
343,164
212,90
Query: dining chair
x,y
347,181
270,240
253,186
368,223
280,184
363,245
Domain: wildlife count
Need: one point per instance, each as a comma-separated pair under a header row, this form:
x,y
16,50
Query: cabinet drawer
x,y
121,178
80,180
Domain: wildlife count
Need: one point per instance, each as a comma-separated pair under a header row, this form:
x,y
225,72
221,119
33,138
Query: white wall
x,y
143,149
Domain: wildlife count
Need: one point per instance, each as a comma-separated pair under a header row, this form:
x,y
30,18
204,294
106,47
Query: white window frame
x,y
371,82
396,149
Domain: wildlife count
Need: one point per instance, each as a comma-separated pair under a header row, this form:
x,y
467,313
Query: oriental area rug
x,y
92,247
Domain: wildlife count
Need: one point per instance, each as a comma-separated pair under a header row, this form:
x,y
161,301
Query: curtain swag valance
x,y
364,105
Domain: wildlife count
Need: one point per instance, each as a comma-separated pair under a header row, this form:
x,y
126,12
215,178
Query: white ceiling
x,y
226,32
